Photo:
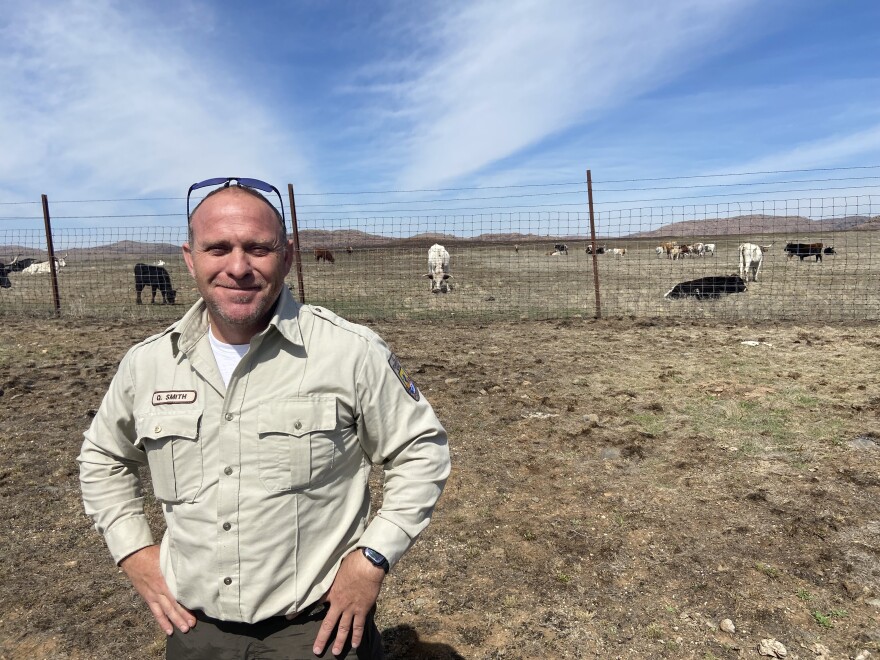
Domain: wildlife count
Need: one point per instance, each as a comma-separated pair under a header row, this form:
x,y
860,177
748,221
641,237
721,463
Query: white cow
x,y
660,250
438,269
751,257
618,252
709,248
43,267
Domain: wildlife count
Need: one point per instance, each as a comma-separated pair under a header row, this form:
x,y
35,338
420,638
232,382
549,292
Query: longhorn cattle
x,y
326,255
561,248
829,250
41,267
600,249
804,250
154,277
751,257
709,248
618,252
16,265
438,269
708,287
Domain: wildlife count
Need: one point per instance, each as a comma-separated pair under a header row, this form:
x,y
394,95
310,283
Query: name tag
x,y
174,396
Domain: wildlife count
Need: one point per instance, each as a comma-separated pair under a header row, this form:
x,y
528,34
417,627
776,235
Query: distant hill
x,y
761,224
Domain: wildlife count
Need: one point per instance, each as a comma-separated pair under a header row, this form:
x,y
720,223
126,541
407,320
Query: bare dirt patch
x,y
618,489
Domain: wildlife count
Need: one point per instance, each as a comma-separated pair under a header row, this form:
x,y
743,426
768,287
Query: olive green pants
x,y
273,639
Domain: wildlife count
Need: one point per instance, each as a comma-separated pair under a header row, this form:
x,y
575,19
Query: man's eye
x,y
260,251
216,251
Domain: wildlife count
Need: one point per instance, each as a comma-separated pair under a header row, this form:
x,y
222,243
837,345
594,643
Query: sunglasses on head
x,y
239,181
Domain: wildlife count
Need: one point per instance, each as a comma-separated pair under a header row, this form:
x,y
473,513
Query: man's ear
x,y
187,257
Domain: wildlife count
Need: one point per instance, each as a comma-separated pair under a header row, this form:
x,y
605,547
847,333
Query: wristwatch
x,y
376,559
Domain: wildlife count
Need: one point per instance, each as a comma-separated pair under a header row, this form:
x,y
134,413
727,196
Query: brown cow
x,y
323,253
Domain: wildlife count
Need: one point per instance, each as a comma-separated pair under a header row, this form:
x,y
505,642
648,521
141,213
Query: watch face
x,y
376,558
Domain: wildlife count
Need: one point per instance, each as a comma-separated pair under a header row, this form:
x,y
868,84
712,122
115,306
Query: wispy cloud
x,y
99,95
505,75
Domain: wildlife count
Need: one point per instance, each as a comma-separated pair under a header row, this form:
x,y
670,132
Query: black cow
x,y
829,250
561,248
155,277
708,287
16,266
600,249
5,282
803,250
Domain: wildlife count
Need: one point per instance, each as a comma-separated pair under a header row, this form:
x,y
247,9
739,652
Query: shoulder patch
x,y
404,378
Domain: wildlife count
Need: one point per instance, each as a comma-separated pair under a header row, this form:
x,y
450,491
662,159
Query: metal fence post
x,y
593,243
50,248
296,253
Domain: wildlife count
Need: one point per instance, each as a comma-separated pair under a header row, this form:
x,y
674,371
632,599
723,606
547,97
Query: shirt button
x,y
229,417
297,425
227,581
227,471
158,429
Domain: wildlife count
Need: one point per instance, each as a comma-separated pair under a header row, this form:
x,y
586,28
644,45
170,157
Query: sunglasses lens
x,y
209,182
256,183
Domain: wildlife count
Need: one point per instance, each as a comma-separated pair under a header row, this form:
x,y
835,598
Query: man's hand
x,y
142,568
353,593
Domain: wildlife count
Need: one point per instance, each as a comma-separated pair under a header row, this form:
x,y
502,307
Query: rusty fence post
x,y
297,255
593,244
50,248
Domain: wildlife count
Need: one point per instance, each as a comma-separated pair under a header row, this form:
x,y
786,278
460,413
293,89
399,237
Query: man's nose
x,y
238,264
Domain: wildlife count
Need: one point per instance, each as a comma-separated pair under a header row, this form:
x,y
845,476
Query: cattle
x,y
42,267
600,249
709,248
5,282
829,250
438,269
708,287
659,250
154,277
349,250
16,265
561,248
159,263
618,252
516,248
751,257
668,247
698,249
803,250
326,255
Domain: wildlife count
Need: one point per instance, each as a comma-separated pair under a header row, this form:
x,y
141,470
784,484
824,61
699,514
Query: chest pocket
x,y
174,452
298,441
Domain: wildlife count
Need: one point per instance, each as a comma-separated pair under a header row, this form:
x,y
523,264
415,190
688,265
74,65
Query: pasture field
x,y
619,488
493,282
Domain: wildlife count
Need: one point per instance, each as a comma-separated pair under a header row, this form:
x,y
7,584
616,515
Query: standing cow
x,y
326,255
154,277
751,257
5,282
438,269
804,250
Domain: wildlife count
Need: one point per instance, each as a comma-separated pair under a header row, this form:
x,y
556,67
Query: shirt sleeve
x,y
399,430
108,470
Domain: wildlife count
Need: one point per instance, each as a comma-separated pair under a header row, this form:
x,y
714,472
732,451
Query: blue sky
x,y
118,100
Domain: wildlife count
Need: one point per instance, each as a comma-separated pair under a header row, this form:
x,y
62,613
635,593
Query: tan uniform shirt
x,y
263,483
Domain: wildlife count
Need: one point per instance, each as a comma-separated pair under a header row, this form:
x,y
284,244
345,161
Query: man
x,y
259,419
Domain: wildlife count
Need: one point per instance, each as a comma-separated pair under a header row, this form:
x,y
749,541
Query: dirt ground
x,y
619,488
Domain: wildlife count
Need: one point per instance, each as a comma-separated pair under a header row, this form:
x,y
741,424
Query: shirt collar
x,y
194,324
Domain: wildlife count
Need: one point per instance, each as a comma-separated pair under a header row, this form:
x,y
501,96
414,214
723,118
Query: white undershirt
x,y
227,355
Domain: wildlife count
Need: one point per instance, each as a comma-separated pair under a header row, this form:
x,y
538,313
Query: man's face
x,y
239,262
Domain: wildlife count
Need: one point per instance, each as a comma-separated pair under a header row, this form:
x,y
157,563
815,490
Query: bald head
x,y
232,190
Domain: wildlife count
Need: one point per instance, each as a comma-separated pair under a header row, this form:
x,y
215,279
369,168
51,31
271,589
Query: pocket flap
x,y
297,416
177,425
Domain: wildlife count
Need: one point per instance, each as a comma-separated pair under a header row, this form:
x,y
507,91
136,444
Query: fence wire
x,y
503,265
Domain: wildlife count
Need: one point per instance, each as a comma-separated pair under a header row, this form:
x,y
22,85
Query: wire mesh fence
x,y
516,265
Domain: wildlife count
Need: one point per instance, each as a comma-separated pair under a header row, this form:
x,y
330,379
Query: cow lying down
x,y
708,287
